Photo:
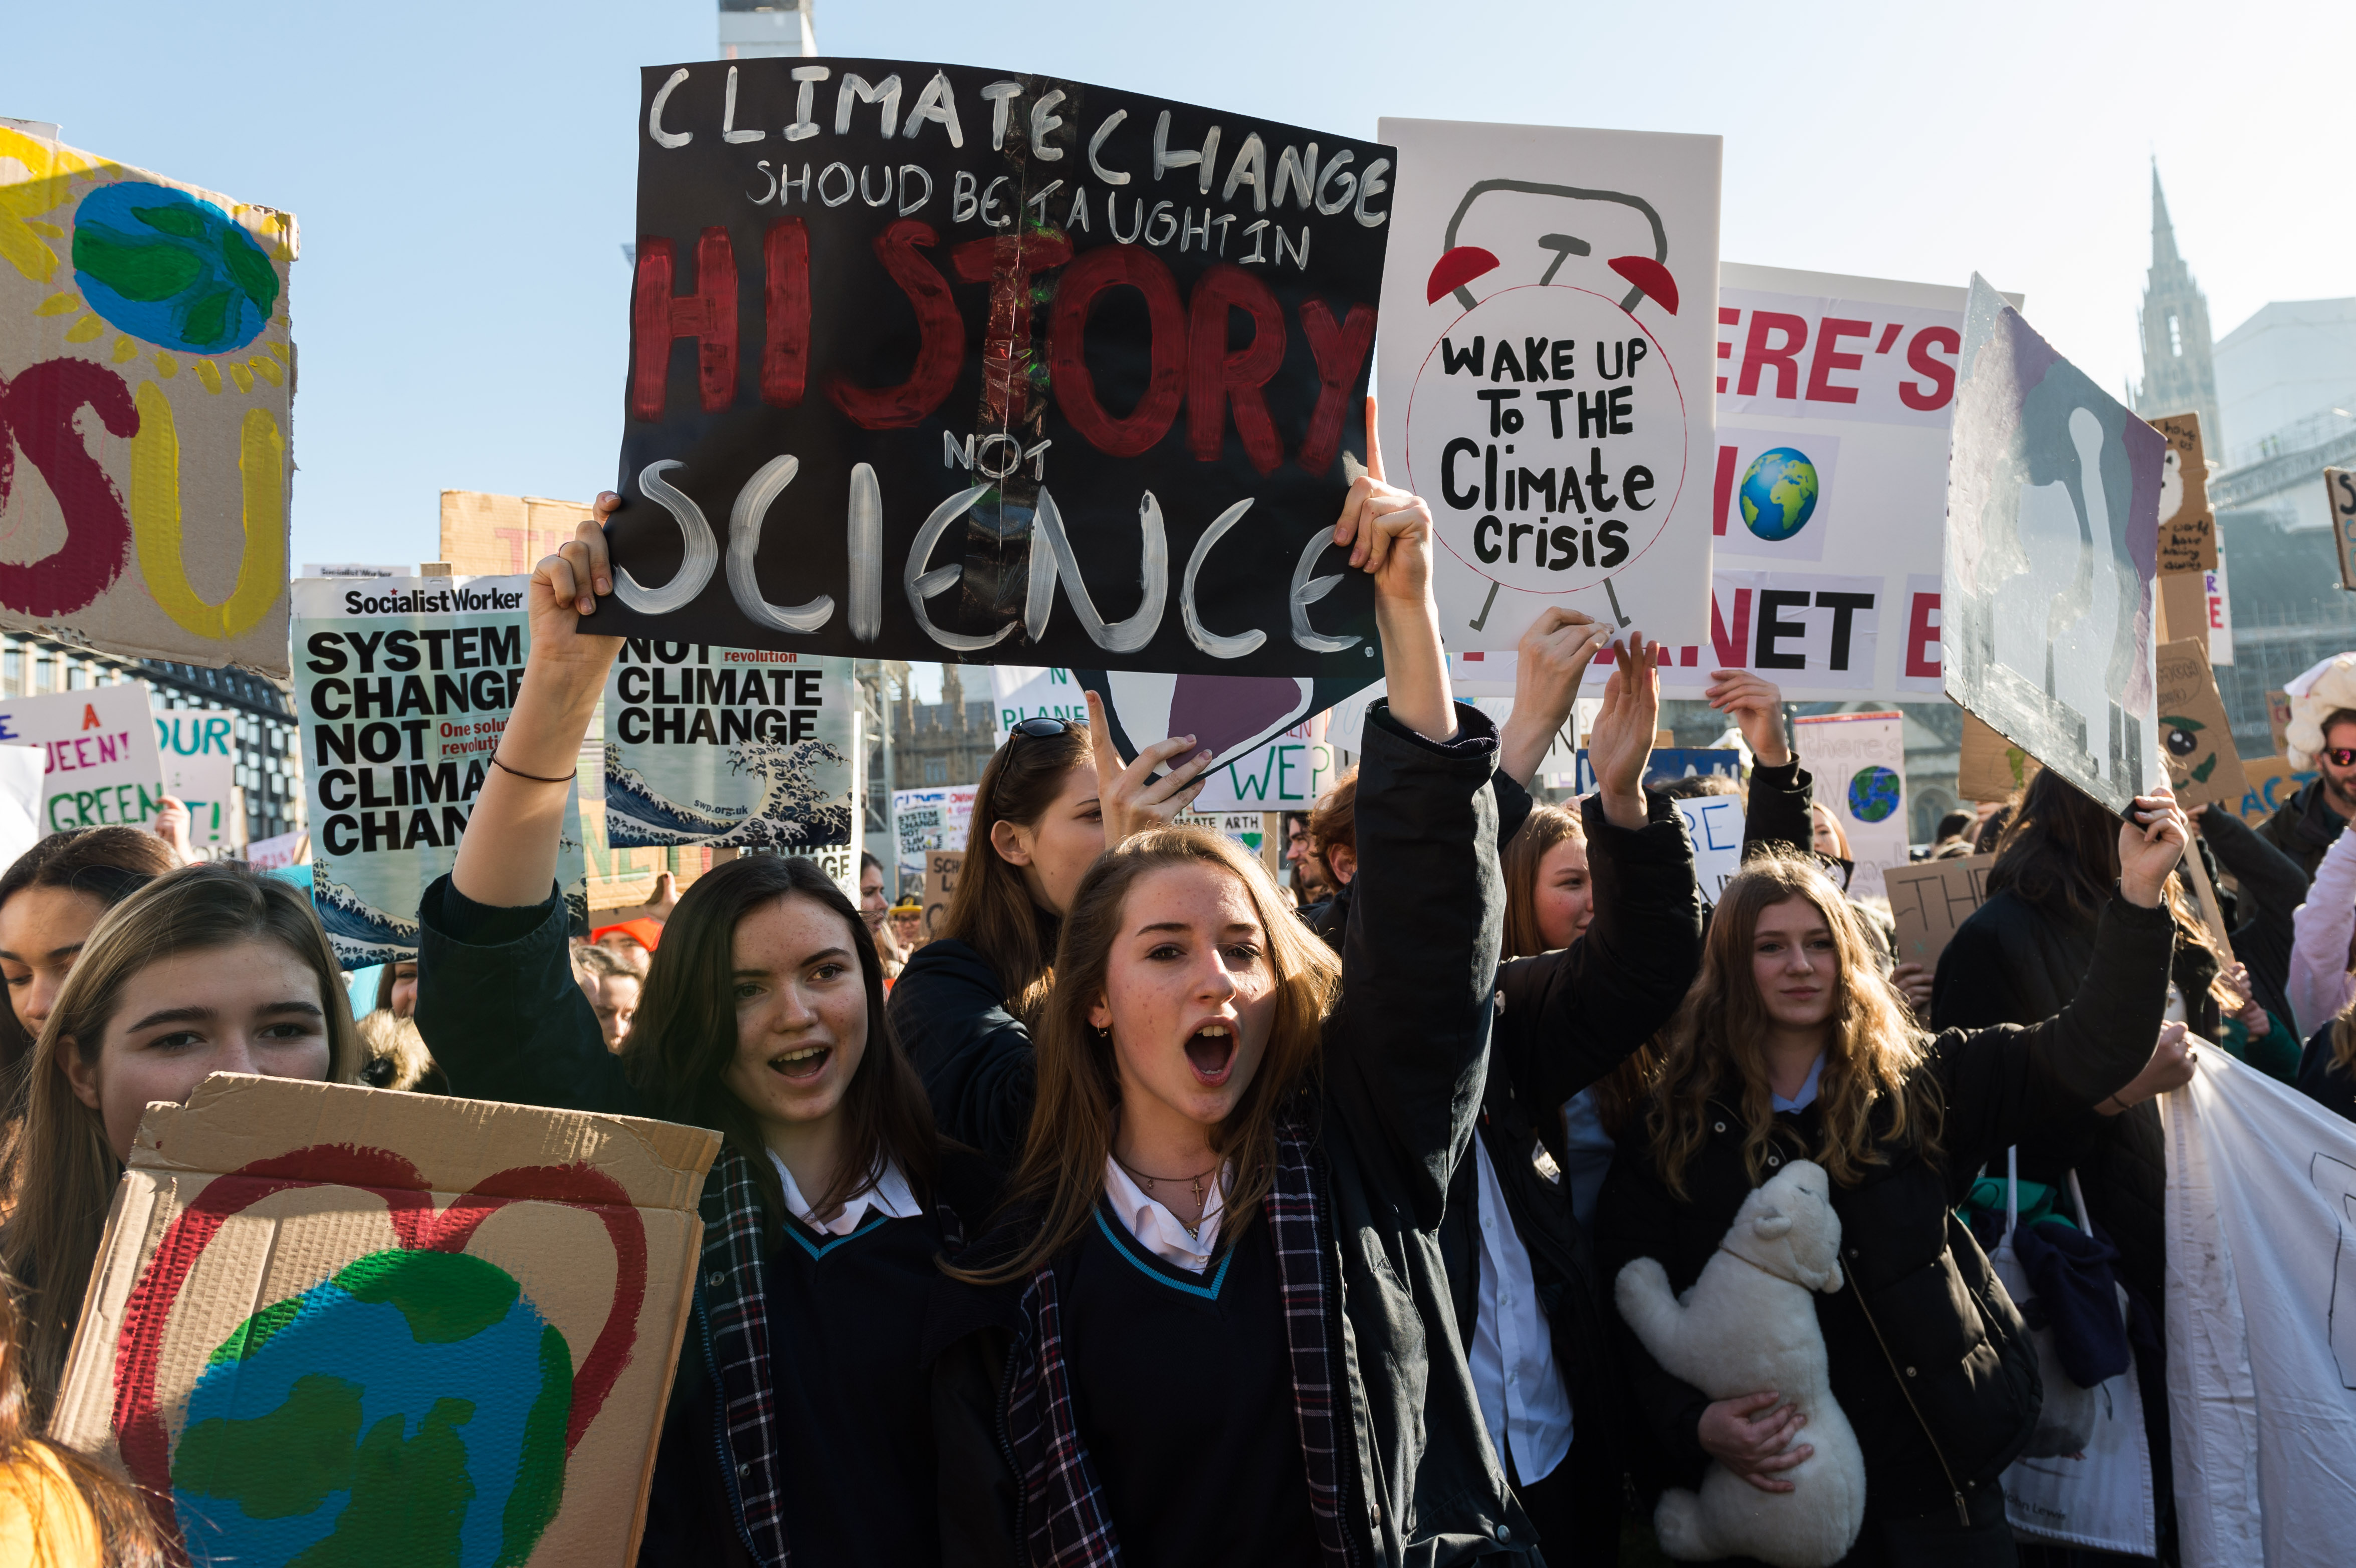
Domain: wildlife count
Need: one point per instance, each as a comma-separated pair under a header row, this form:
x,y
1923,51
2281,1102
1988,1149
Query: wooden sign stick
x,y
2213,916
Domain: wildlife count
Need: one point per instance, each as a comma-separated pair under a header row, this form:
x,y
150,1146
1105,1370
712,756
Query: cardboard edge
x,y
682,1318
137,1196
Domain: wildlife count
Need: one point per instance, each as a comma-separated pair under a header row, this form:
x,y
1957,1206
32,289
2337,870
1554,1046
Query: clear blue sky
x,y
463,173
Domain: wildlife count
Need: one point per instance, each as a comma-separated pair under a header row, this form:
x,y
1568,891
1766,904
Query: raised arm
x,y
508,856
1549,664
2098,1053
1775,808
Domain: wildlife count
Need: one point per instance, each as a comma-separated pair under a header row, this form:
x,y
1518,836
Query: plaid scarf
x,y
735,1322
1063,1523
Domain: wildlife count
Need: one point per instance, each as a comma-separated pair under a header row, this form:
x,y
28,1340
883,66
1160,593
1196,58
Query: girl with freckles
x,y
1212,1323
798,1427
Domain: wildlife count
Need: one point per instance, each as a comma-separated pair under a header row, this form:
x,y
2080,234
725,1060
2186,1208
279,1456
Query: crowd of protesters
x,y
1157,1210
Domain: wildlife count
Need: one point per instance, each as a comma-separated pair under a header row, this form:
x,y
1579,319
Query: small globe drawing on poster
x,y
1778,493
1873,793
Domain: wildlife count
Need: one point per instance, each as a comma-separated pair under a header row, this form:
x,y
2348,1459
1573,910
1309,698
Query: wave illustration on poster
x,y
361,932
792,813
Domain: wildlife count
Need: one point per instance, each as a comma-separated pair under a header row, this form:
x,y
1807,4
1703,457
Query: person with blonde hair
x,y
1792,1045
1212,1323
58,1508
210,968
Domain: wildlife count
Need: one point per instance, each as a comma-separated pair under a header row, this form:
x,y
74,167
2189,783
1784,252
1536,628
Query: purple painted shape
x,y
1220,710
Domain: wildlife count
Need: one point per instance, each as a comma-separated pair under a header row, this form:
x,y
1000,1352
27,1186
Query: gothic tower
x,y
2179,372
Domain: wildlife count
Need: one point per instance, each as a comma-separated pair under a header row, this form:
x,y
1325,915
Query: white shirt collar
x,y
1157,1229
889,1196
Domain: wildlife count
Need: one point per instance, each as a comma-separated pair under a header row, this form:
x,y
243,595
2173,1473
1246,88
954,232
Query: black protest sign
x,y
930,361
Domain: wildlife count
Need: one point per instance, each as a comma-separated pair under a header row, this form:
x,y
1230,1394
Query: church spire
x,y
2179,372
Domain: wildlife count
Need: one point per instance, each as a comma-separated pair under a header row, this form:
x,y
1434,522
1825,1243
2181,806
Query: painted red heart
x,y
139,1425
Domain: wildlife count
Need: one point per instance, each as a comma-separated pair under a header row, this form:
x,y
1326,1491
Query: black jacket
x,y
2011,961
949,1007
2321,1080
1565,1020
2303,827
509,1024
1406,1049
2273,885
1951,1400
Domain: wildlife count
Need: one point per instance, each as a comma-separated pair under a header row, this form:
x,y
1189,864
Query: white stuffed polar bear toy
x,y
1747,1325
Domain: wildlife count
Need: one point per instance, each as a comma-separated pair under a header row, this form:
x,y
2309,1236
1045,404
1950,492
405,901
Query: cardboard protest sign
x,y
198,747
2196,738
1929,899
2220,611
504,535
941,867
1714,821
1285,773
100,766
2188,525
1547,357
1828,498
968,373
746,747
278,852
930,819
1858,761
2339,501
2277,718
403,686
21,771
1228,715
2272,782
2053,519
318,1310
146,371
1991,767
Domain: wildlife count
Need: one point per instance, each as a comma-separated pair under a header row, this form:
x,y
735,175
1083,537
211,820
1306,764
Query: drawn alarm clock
x,y
1547,425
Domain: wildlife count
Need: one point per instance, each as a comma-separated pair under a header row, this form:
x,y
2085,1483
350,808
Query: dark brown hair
x,y
1334,820
992,911
1062,1171
126,1531
678,1053
1545,827
1874,1052
108,864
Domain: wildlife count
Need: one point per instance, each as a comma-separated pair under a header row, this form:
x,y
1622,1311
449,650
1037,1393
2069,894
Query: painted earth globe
x,y
412,1408
1873,793
1778,493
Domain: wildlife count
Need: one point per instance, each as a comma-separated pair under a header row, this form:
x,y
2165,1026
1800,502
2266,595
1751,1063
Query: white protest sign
x,y
403,686
1714,821
748,748
1287,773
1047,694
20,800
1545,361
200,753
2049,641
1858,761
931,819
99,746
2261,1317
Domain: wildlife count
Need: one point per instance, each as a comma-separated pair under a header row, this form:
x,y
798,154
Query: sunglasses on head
x,y
2341,756
1037,729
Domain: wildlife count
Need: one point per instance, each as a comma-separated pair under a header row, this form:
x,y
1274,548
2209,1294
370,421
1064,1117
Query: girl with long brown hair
x,y
51,898
210,968
1050,800
1212,1323
800,1422
1792,1045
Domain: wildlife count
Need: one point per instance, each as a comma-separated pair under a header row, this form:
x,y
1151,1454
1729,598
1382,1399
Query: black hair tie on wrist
x,y
536,778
